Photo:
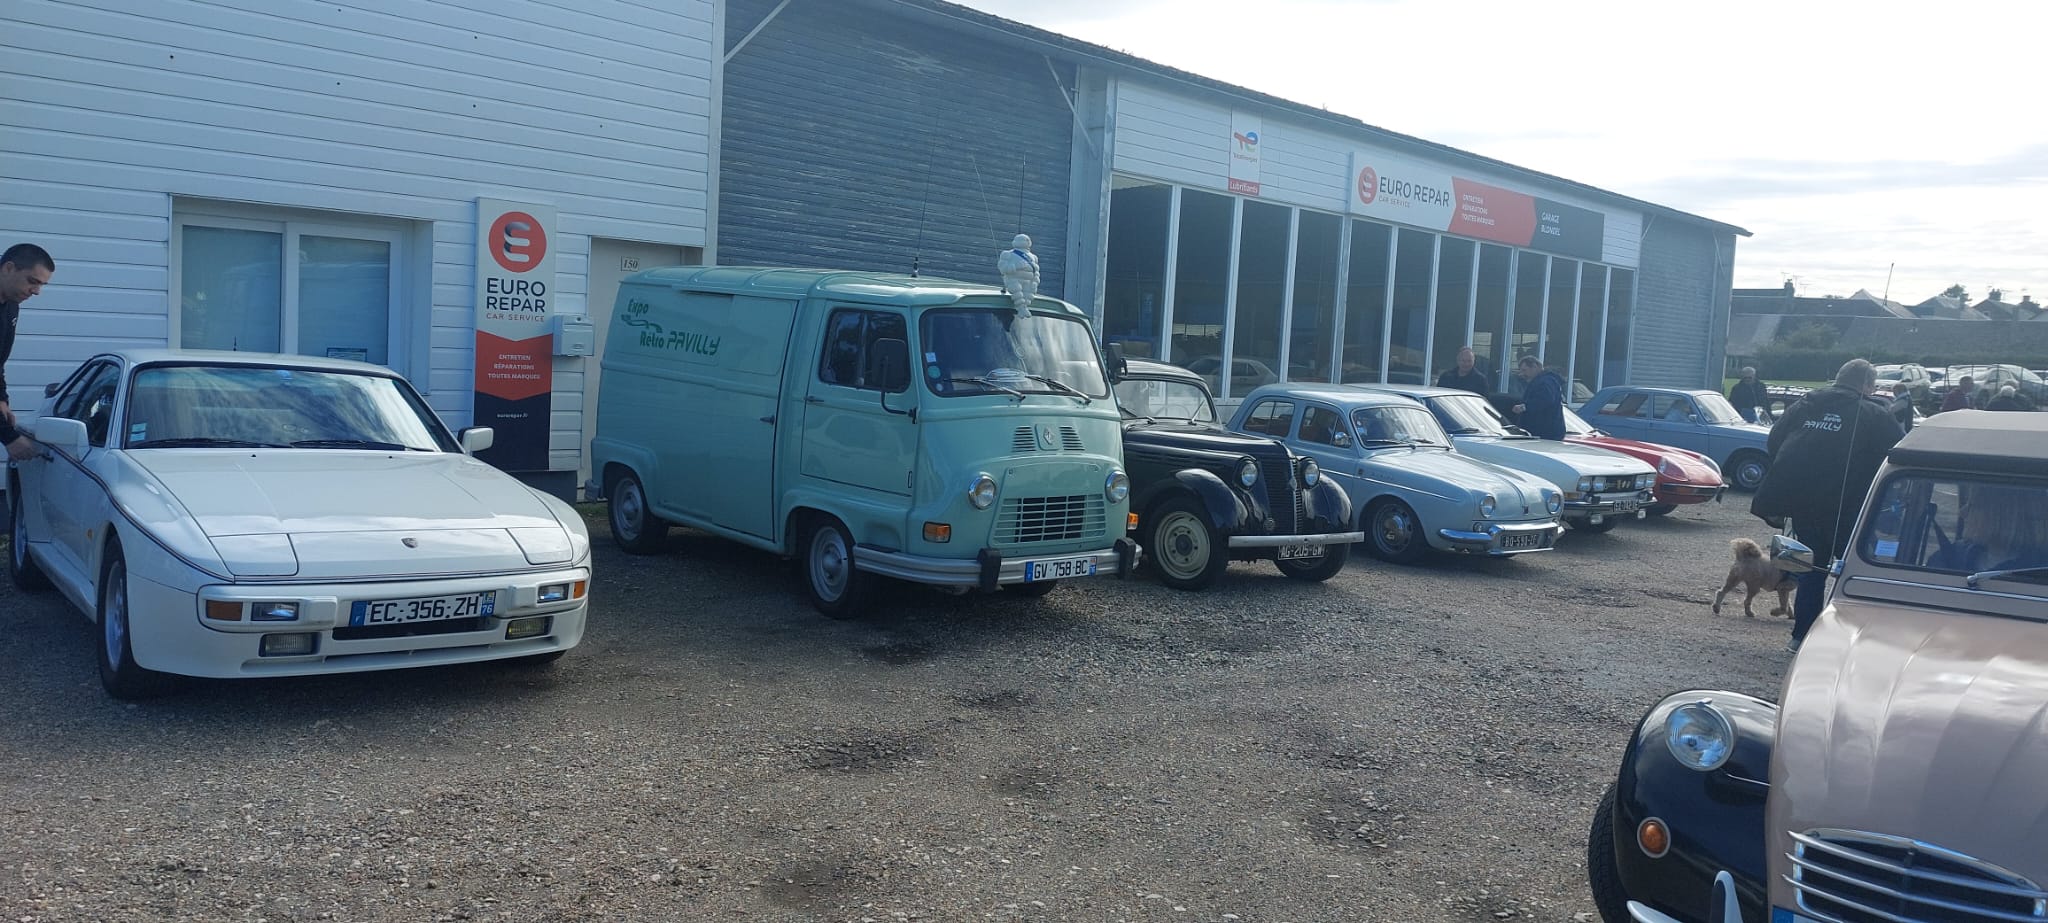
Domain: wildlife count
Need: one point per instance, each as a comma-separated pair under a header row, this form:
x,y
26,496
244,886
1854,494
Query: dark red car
x,y
1682,477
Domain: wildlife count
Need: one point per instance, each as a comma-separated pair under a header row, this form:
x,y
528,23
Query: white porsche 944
x,y
241,515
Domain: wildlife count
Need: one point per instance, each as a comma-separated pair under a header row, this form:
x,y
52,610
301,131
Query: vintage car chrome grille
x,y
1847,876
1024,520
1282,500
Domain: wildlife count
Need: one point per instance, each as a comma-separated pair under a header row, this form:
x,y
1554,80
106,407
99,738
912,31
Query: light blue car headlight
x,y
1553,501
1488,505
1699,735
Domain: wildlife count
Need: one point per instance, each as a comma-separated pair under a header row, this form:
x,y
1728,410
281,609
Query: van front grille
x,y
1025,440
1025,520
1847,876
1070,441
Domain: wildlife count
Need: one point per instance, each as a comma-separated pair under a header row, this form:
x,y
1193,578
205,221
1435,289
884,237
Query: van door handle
x,y
769,419
813,399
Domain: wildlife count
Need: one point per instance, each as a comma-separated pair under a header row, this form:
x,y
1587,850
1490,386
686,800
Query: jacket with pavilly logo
x,y
1825,452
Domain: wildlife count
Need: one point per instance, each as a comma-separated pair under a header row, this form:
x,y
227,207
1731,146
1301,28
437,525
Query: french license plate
x,y
421,609
1059,569
1296,552
1627,506
1518,541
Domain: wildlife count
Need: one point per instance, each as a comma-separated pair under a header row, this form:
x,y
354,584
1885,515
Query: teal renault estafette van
x,y
868,425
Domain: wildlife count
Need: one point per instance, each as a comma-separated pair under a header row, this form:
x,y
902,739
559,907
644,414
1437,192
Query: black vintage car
x,y
1204,495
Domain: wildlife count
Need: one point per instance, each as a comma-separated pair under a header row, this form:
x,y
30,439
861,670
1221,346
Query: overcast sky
x,y
1846,137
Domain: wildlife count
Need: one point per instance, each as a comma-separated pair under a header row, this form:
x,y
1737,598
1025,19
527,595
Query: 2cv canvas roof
x,y
869,287
2002,442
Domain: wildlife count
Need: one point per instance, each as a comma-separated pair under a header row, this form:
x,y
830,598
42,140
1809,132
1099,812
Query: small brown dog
x,y
1760,575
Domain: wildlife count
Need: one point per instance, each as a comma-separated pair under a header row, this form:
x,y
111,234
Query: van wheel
x,y
1187,553
634,526
1746,470
1601,872
1317,570
838,588
119,673
1033,590
21,568
1393,532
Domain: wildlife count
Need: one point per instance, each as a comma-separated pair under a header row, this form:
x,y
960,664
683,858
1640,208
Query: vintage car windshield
x,y
1164,399
1575,425
1715,409
1466,415
1959,525
196,406
1005,351
1397,426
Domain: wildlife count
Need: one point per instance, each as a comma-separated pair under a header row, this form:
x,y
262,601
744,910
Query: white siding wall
x,y
392,108
1178,139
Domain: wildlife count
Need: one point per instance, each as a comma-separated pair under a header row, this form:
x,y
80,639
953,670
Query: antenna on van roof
x,y
924,207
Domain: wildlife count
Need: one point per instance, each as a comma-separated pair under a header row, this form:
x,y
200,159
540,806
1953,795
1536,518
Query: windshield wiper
x,y
2035,571
978,380
196,442
1062,387
350,444
1468,431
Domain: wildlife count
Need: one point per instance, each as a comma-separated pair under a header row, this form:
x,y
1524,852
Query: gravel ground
x,y
1403,744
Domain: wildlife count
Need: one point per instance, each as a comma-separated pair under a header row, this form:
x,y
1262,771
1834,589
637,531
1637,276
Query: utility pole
x,y
1888,284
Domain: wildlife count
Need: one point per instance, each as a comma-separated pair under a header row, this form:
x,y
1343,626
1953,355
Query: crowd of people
x,y
1902,398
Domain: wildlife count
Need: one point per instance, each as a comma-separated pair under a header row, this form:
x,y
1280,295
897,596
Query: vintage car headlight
x,y
1599,484
1669,469
1585,485
1248,473
1699,735
1118,487
1488,505
1553,501
1311,472
982,493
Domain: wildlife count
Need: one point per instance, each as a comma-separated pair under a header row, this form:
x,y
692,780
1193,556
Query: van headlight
x,y
982,493
1248,473
1553,501
1699,735
1487,505
1310,472
1118,487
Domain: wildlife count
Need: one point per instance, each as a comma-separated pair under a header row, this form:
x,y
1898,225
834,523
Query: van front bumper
x,y
990,569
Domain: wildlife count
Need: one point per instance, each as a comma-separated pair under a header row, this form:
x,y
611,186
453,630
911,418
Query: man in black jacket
x,y
1825,452
24,270
1748,394
1467,376
1541,411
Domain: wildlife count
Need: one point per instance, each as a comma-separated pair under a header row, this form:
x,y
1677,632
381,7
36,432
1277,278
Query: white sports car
x,y
239,514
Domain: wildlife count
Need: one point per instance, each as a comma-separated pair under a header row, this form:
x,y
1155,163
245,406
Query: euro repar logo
x,y
652,336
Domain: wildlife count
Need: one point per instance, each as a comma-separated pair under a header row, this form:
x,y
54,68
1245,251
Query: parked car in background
x,y
1204,495
1412,490
1989,378
1683,477
1600,488
240,515
1899,779
1243,372
1695,420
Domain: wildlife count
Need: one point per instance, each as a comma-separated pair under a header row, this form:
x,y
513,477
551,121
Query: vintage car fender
x,y
1228,509
1715,818
1329,507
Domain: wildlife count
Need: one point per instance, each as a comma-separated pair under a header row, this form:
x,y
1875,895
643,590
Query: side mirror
x,y
1789,554
1118,365
889,366
51,389
1340,439
475,439
64,435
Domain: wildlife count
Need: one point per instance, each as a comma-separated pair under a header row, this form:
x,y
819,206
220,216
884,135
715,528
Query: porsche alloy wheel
x,y
21,568
119,673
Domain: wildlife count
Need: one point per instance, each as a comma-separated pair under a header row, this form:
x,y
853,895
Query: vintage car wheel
x,y
1187,553
1393,532
1317,570
1033,590
1746,470
1601,872
119,673
1660,509
634,526
837,588
21,568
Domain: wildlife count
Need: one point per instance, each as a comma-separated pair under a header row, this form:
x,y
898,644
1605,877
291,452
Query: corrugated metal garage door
x,y
1679,332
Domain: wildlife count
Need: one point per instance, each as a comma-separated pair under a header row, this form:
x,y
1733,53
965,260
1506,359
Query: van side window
x,y
849,334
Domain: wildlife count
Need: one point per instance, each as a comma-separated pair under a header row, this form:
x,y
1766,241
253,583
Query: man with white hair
x,y
1748,394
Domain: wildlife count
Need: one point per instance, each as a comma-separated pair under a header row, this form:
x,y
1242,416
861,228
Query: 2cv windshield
x,y
1960,525
972,351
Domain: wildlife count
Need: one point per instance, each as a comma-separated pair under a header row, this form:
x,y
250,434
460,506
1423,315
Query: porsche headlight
x,y
1488,505
1310,472
1553,501
1699,735
1585,485
982,493
1117,487
1248,473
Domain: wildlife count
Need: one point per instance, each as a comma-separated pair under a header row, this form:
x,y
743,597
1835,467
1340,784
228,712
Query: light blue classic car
x,y
1698,421
1412,491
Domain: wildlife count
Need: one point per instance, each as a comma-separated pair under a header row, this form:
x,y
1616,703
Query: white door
x,y
610,262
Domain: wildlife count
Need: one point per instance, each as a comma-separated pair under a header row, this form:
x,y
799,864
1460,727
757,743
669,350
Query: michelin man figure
x,y
1019,267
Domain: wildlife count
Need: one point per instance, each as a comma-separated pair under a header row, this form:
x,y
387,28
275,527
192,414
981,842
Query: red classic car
x,y
1682,477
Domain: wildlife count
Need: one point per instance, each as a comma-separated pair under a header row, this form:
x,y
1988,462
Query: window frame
x,y
1253,414
861,361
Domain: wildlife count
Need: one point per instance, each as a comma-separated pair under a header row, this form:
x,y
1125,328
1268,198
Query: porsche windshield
x,y
197,406
1164,399
1466,415
969,351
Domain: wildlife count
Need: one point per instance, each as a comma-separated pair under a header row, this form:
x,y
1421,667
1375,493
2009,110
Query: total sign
x,y
515,279
1426,196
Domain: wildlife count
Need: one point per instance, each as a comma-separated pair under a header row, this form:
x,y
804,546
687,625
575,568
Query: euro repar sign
x,y
515,280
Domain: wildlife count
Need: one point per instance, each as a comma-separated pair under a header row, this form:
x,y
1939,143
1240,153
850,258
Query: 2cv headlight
x,y
1248,473
1699,735
1118,487
982,493
1311,472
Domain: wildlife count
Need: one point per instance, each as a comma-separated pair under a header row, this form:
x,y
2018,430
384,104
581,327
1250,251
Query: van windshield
x,y
970,351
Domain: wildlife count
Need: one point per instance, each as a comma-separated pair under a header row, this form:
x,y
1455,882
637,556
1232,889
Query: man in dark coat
x,y
1824,454
1466,376
1541,411
1958,397
24,270
1901,406
1748,394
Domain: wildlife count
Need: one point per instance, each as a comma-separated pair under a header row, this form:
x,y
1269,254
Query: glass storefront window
x,y
1134,285
1530,287
1621,291
344,298
1365,301
231,290
1490,321
1408,348
1201,282
1453,303
332,288
1314,326
1557,334
1261,292
1592,305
